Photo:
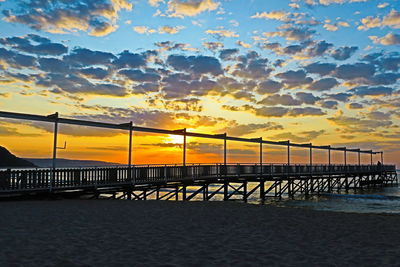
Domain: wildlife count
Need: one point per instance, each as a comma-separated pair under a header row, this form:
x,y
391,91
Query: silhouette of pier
x,y
188,181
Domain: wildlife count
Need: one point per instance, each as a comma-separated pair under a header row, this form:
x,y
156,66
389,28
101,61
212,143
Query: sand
x,y
151,233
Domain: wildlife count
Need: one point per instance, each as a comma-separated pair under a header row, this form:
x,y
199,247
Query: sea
x,y
379,200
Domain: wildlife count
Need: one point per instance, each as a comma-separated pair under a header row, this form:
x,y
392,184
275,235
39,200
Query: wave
x,y
367,197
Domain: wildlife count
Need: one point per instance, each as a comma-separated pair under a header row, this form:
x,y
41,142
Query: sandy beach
x,y
150,233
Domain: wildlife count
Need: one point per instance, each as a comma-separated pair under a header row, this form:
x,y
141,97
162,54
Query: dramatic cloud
x,y
344,53
221,33
292,34
352,71
320,68
195,64
181,8
44,46
97,17
160,30
372,91
323,84
244,129
294,78
269,87
353,124
391,20
388,39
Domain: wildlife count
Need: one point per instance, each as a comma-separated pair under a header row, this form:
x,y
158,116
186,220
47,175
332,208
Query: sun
x,y
175,139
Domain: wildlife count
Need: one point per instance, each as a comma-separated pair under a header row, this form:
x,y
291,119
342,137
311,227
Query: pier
x,y
184,181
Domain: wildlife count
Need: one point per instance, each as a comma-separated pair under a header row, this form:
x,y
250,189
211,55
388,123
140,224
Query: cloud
x,y
388,39
84,57
245,129
155,3
243,44
343,97
277,15
140,76
293,78
355,106
161,30
324,84
195,64
283,111
320,68
11,131
372,91
44,46
391,20
353,124
269,87
330,104
292,33
190,8
227,54
307,98
330,2
344,52
284,100
97,17
221,33
356,70
213,46
301,137
127,59
335,26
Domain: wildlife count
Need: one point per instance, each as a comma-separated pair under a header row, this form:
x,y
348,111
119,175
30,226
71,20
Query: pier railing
x,y
38,179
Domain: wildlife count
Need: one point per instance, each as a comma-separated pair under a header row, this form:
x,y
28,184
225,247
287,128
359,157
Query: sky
x,y
320,71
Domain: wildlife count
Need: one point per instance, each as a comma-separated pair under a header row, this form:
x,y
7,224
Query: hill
x,y
69,163
7,159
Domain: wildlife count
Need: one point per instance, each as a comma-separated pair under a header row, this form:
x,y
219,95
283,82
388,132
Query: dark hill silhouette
x,y
70,163
7,159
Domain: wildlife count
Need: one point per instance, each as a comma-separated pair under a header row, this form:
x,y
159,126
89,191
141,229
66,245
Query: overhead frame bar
x,y
129,127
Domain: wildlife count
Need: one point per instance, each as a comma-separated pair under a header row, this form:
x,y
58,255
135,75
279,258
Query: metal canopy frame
x,y
54,118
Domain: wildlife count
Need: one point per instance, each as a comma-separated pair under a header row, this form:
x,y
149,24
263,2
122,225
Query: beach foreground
x,y
150,233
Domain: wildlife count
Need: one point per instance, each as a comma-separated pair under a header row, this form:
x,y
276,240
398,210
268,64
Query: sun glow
x,y
175,139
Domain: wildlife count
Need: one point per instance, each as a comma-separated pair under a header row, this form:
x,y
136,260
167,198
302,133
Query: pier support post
x,y
245,191
225,149
262,190
130,152
184,147
261,158
371,158
226,184
53,175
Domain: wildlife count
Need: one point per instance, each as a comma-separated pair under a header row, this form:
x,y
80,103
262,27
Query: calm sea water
x,y
380,200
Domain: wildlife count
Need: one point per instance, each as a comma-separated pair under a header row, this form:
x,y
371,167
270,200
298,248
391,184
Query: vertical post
x,y
184,147
225,149
288,158
371,157
329,156
130,146
55,116
261,156
345,157
311,162
382,157
359,158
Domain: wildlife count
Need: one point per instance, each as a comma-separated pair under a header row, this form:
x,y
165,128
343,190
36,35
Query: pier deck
x,y
187,182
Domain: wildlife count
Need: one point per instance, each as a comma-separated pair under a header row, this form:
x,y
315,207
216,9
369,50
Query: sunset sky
x,y
320,71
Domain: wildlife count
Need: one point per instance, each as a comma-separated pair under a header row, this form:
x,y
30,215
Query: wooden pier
x,y
232,181
194,181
